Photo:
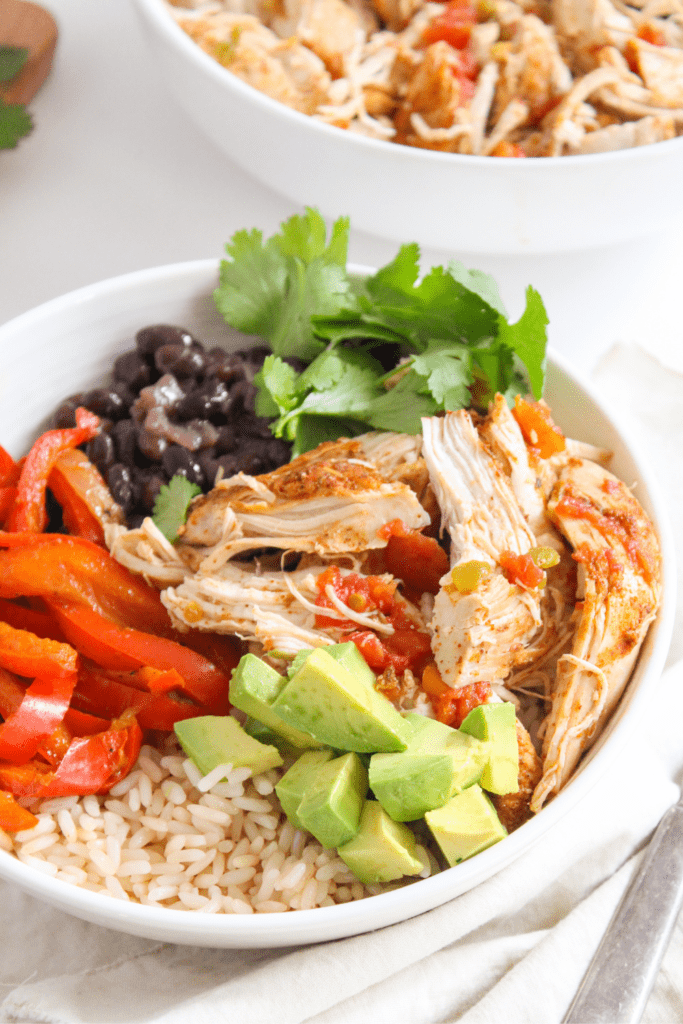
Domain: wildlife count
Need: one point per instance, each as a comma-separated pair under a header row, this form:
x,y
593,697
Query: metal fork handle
x,y
619,980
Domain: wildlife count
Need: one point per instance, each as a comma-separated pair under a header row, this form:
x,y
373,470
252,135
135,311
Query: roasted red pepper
x,y
55,565
83,495
112,694
118,648
92,764
29,511
14,817
29,655
41,711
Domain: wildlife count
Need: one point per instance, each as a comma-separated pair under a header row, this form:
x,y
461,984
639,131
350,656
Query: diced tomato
x,y
537,426
360,593
453,706
521,569
418,561
510,149
453,25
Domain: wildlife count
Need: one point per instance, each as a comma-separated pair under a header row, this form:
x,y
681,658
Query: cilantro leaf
x,y
402,407
12,60
15,123
274,288
445,333
171,505
527,337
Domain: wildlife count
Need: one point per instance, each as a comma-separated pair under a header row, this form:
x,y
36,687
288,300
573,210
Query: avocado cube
x,y
330,808
219,739
466,825
438,762
496,723
254,685
297,780
347,655
382,850
326,701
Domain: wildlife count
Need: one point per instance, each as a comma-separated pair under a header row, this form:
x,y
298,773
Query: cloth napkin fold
x,y
514,948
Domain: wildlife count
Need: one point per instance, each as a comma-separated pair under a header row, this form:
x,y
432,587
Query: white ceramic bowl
x,y
444,201
68,344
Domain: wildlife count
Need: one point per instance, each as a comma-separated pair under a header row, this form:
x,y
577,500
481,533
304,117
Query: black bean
x,y
102,451
125,437
105,402
149,339
178,461
226,439
210,400
225,366
278,452
180,360
65,416
255,426
150,483
151,444
243,398
132,369
249,455
122,485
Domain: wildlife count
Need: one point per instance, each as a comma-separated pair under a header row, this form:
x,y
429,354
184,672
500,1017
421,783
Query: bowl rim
x,y
159,12
326,923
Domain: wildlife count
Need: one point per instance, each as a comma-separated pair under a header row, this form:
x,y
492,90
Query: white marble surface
x,y
115,178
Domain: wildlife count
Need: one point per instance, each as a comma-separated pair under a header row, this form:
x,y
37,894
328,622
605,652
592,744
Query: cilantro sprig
x,y
15,121
380,353
171,505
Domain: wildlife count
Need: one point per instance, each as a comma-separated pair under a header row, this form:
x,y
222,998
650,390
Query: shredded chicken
x,y
509,78
257,559
619,588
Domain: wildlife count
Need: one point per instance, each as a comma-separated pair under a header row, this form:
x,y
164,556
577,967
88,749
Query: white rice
x,y
165,836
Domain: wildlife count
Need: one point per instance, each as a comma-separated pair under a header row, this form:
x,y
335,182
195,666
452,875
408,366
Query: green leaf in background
x,y
12,60
15,123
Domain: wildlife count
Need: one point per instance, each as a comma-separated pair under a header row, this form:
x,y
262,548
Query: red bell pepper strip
x,y
8,496
7,468
85,499
40,623
55,565
92,764
42,709
108,694
29,511
30,655
11,693
115,648
14,817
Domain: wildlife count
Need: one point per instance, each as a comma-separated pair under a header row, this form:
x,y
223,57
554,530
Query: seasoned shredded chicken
x,y
341,544
504,78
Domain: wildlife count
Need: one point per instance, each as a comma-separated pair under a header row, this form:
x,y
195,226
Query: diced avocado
x,y
254,686
382,850
329,703
264,734
438,762
495,723
219,739
466,825
331,806
297,779
347,655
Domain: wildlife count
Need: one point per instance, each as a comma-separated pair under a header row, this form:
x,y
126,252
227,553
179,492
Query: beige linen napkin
x,y
514,949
